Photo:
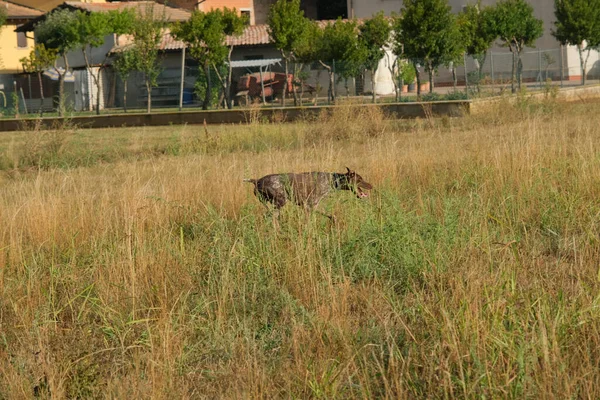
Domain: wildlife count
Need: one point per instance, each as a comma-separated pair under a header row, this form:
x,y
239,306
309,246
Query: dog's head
x,y
354,182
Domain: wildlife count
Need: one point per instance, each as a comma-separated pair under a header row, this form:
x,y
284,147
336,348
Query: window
x,y
248,14
21,40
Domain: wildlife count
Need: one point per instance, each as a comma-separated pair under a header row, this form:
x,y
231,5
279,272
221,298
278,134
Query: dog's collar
x,y
337,184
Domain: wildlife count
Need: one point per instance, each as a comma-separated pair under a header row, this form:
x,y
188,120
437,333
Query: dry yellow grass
x,y
136,264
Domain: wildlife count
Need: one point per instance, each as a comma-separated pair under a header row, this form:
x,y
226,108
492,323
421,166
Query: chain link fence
x,y
21,94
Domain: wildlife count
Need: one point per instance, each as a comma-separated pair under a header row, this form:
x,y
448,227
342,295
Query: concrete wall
x,y
399,110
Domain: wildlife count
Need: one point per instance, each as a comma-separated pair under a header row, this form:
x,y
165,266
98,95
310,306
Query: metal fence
x,y
20,94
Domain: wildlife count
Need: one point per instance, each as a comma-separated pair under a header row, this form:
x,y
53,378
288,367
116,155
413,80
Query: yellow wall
x,y
9,52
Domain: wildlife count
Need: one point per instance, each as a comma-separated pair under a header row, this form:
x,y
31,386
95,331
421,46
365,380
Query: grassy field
x,y
136,264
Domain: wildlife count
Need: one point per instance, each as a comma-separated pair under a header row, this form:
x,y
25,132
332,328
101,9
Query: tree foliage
x,y
205,36
147,31
59,31
93,28
124,64
289,31
429,34
374,36
517,27
578,24
477,32
339,51
40,58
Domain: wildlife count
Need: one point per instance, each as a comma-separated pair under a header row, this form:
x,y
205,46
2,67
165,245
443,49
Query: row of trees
x,y
64,31
427,34
424,34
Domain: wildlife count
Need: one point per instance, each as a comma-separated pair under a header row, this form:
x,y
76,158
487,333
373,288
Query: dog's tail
x,y
253,181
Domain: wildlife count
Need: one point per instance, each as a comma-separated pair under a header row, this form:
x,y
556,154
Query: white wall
x,y
543,9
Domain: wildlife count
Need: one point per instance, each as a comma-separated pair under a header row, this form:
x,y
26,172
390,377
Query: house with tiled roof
x,y
81,93
253,50
14,46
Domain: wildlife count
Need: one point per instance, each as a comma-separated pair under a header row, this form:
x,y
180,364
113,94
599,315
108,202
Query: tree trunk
x,y
582,62
430,78
418,81
284,92
514,69
149,90
125,95
332,85
61,90
519,70
39,74
374,94
97,81
294,90
481,61
454,77
229,78
207,94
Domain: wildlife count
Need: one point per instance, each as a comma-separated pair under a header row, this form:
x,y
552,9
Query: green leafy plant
x,y
577,24
517,27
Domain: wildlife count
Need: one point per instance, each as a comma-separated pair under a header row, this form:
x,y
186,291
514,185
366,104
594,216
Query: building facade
x,y
13,45
547,59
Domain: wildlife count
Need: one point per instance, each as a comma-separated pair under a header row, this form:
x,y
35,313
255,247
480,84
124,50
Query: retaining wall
x,y
238,116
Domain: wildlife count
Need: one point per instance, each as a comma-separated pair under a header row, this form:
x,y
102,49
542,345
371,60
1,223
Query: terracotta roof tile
x,y
172,13
253,35
15,11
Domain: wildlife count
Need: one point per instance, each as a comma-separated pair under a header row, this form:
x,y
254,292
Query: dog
x,y
306,189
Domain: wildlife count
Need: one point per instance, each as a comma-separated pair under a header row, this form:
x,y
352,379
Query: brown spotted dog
x,y
306,189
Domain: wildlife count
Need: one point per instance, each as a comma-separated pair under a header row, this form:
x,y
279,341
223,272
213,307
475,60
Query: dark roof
x,y
172,14
15,11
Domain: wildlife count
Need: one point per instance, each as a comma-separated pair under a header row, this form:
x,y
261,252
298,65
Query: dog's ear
x,y
350,172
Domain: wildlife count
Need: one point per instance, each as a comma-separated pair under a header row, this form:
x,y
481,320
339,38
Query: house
x,y
245,7
81,94
14,46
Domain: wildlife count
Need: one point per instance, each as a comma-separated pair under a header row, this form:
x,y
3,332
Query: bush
x,y
347,121
431,97
456,95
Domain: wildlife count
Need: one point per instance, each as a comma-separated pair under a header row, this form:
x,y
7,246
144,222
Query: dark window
x,y
21,40
246,13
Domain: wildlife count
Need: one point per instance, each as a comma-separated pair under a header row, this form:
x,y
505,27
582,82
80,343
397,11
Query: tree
x,y
124,64
147,30
59,32
40,58
477,32
305,53
429,33
205,36
338,50
93,29
373,37
234,25
578,24
517,28
287,29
